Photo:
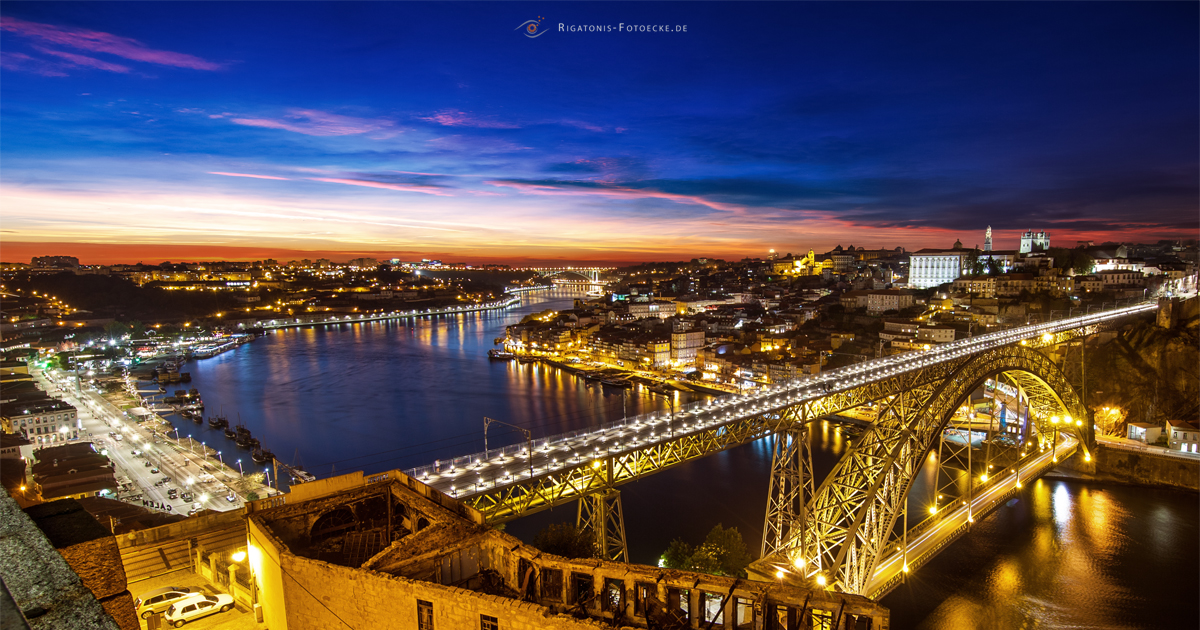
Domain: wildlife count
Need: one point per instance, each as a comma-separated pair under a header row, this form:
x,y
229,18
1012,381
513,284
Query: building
x,y
929,268
1034,242
1183,436
935,334
982,286
686,347
893,300
643,310
47,421
1144,432
1122,278
388,552
72,470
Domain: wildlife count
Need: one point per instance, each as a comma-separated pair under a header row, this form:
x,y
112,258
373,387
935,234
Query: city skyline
x,y
183,131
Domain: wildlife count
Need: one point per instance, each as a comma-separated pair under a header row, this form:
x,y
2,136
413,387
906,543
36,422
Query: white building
x,y
1035,242
45,422
932,267
1184,436
686,347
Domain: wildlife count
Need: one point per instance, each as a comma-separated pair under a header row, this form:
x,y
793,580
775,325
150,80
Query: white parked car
x,y
196,606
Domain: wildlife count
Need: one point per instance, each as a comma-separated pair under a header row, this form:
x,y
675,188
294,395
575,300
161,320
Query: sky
x,y
505,132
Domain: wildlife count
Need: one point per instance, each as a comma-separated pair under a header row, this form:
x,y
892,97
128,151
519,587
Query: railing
x,y
1146,449
422,472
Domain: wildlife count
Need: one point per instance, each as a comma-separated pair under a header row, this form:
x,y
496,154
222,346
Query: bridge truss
x,y
836,532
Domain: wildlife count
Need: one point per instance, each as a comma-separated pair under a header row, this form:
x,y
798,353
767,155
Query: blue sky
x,y
441,129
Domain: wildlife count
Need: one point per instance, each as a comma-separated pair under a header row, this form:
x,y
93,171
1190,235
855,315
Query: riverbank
x,y
318,319
1116,465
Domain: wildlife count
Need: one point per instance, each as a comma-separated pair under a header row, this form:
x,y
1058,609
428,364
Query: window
x,y
744,619
488,622
552,584
424,615
189,608
822,619
614,596
714,614
679,599
643,593
582,590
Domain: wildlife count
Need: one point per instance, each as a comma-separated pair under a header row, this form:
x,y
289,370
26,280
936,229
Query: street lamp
x,y
243,474
220,459
205,450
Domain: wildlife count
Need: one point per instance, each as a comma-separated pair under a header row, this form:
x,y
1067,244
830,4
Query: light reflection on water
x,y
381,395
1067,555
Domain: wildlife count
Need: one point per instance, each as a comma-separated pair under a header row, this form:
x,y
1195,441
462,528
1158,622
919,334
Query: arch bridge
x,y
848,531
591,274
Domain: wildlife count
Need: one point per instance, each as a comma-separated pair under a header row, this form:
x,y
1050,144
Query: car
x,y
196,606
172,493
147,463
135,452
159,599
231,497
154,470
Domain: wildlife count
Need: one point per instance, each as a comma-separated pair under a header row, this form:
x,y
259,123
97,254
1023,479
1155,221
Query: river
x,y
386,395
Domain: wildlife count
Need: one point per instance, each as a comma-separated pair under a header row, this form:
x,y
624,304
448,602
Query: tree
x,y
723,552
974,263
566,540
993,267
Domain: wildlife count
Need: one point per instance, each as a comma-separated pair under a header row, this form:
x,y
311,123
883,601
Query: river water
x,y
387,395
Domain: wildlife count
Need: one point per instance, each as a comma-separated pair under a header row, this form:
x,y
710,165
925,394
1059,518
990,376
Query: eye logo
x,y
531,28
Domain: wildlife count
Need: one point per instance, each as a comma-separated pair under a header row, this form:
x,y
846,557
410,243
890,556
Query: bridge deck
x,y
949,526
504,483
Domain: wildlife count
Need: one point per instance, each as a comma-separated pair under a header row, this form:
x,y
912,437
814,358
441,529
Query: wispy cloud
x,y
584,125
557,187
318,123
246,175
417,188
97,41
20,62
463,119
83,60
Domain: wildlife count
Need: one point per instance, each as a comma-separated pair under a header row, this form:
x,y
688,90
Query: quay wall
x,y
1133,467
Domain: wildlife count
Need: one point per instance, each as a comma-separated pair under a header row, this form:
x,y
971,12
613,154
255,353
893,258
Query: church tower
x,y
987,240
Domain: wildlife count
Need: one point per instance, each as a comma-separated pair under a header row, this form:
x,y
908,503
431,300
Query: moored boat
x,y
230,433
262,455
218,422
617,382
500,355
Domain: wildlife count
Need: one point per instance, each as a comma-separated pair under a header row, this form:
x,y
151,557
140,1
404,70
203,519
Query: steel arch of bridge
x,y
840,531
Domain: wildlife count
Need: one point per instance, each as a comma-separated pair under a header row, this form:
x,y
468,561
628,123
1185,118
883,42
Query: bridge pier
x,y
791,487
601,513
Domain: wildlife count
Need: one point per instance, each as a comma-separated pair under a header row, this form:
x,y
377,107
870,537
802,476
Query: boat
x,y
617,382
527,359
242,436
252,443
229,432
500,355
262,455
218,422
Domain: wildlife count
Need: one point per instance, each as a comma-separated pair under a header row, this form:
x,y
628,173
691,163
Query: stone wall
x,y
1132,467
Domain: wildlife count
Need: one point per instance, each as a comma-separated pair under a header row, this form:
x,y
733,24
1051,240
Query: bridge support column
x,y
602,514
791,487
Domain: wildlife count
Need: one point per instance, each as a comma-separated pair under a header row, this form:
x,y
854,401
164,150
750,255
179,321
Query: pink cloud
x,y
616,192
246,175
97,41
417,188
583,125
20,62
317,123
463,119
84,61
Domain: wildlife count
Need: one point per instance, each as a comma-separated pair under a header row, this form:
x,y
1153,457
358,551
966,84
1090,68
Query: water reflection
x,y
1046,561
